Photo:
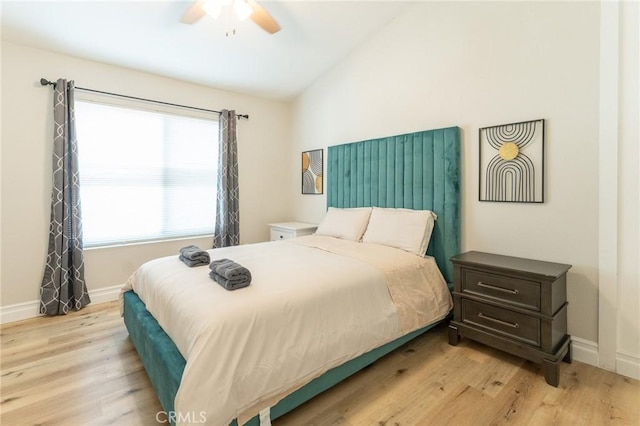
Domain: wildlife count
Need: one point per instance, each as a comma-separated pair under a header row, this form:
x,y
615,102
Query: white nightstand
x,y
285,230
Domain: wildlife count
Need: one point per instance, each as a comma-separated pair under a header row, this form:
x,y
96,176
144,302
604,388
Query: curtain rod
x,y
45,82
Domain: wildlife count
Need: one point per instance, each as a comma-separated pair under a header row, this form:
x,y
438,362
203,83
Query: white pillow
x,y
348,224
405,229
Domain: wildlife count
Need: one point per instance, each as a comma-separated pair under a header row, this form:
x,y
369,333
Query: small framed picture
x,y
512,163
312,172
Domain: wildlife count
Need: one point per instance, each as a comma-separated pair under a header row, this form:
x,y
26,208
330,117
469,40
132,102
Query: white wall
x,y
27,128
474,65
628,315
0,162
619,234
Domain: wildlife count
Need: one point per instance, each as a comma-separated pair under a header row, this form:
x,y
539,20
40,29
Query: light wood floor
x,y
82,369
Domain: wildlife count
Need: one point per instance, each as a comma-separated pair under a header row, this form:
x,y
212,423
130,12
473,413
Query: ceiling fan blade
x,y
194,13
261,17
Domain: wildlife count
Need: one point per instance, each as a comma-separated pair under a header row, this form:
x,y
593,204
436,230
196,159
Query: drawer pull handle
x,y
508,324
502,289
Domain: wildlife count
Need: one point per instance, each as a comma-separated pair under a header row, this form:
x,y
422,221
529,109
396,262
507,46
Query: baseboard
x,y
106,294
19,311
587,351
26,310
584,351
628,366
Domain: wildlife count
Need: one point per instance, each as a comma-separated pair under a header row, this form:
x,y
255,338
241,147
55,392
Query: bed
x,y
413,171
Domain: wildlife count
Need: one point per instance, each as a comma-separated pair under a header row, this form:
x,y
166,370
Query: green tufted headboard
x,y
417,171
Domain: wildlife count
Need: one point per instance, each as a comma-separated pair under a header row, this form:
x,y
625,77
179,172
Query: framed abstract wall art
x,y
512,162
312,172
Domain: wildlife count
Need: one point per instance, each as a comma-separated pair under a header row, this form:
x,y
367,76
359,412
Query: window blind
x,y
144,175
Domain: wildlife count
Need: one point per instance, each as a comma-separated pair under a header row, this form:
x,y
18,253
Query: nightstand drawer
x,y
280,235
514,325
514,291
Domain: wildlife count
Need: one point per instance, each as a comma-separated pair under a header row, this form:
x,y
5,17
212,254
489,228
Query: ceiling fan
x,y
242,8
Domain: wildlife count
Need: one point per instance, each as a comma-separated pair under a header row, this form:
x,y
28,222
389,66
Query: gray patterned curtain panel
x,y
227,230
63,285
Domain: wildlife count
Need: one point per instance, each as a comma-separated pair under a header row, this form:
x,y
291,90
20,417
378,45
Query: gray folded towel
x,y
230,284
230,270
194,256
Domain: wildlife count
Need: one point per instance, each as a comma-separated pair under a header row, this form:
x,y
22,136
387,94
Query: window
x,y
144,175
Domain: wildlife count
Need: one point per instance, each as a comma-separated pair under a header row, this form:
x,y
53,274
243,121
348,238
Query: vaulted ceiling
x,y
148,36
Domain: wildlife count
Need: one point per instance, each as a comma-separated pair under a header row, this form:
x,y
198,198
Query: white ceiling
x,y
147,36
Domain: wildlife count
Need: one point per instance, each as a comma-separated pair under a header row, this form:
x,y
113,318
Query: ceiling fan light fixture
x,y
242,9
212,8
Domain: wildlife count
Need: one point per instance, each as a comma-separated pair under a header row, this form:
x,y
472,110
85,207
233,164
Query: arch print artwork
x,y
512,162
312,172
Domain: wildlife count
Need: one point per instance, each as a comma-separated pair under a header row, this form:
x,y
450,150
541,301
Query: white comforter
x,y
314,303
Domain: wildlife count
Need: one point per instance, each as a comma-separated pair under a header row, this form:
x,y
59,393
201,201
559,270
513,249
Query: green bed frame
x,y
415,170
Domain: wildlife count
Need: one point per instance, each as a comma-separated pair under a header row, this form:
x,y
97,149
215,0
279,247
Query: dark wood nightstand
x,y
513,304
